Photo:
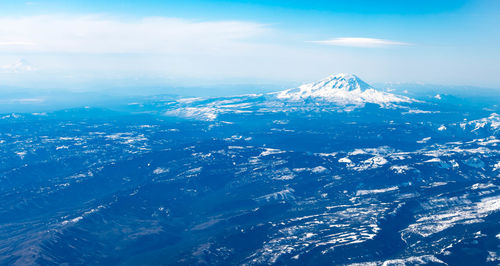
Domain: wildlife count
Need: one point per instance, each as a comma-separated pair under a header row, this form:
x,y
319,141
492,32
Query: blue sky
x,y
100,44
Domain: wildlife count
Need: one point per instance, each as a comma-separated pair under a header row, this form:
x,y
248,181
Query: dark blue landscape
x,y
334,172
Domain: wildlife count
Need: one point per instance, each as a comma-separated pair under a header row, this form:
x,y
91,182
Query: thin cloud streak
x,y
10,43
361,42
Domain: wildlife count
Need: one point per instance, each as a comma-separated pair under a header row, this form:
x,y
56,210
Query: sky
x,y
96,45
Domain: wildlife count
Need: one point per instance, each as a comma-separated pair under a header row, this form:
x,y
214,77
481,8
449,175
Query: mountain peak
x,y
341,89
343,75
342,81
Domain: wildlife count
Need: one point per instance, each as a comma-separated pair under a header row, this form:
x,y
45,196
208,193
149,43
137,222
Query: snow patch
x,y
375,191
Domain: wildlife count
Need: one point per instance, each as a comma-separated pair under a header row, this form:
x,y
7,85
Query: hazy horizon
x,y
92,45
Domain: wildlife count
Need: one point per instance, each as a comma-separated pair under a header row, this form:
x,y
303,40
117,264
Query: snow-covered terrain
x,y
338,173
341,89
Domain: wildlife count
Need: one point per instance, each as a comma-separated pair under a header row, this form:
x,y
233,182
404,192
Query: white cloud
x,y
361,42
98,34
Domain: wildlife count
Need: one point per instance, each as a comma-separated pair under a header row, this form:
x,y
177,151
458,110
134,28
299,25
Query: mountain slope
x,y
341,89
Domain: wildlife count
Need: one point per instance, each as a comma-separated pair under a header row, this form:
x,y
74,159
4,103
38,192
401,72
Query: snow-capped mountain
x,y
341,89
337,93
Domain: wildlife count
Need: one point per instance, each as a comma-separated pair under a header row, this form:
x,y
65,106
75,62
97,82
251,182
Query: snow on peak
x,y
341,81
341,89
